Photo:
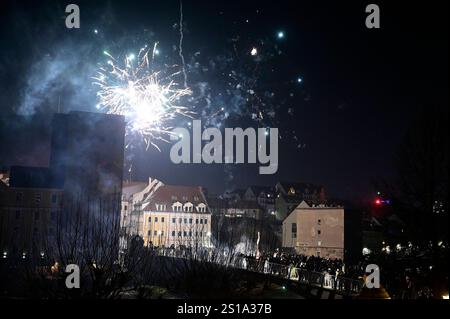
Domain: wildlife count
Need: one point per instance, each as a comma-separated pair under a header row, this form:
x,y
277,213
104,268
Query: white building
x,y
165,215
176,216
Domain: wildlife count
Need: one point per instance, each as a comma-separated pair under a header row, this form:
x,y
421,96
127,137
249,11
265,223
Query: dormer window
x,y
291,191
174,197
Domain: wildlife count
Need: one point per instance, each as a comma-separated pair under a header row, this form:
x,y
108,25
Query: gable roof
x,y
170,194
301,188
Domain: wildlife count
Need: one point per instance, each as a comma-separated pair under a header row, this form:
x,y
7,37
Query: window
x,y
125,207
53,216
180,220
185,198
149,233
190,220
179,234
196,198
155,233
185,220
174,220
201,220
174,197
319,232
149,219
36,215
196,234
294,230
156,219
319,221
162,219
190,234
54,199
173,233
184,234
37,197
196,220
206,221
17,214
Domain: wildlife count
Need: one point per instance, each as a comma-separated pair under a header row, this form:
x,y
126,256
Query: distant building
x,y
290,195
264,196
315,230
235,208
28,219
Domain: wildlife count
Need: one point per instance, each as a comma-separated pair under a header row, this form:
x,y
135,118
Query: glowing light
x,y
445,297
254,51
96,31
299,80
378,201
280,35
156,52
147,98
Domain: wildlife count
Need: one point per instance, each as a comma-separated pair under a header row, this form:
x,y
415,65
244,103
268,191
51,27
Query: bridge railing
x,y
313,278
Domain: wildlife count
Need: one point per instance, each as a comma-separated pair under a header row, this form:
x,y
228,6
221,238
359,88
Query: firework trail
x,y
148,99
180,46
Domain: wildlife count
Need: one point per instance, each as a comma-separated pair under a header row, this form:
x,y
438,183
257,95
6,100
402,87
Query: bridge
x,y
340,285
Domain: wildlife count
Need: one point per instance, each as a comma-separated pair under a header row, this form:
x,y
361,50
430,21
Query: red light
x,y
378,201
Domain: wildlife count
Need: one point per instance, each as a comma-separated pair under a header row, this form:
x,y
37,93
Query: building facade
x,y
28,220
315,230
166,215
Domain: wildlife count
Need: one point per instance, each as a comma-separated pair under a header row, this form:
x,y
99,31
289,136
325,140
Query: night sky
x,y
340,126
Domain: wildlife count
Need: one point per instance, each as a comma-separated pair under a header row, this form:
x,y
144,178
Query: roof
x,y
257,189
170,194
301,187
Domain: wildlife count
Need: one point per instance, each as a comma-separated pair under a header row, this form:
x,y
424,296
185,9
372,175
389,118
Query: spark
x,y
254,51
148,99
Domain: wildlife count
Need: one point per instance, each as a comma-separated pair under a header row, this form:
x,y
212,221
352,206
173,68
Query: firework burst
x,y
148,99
